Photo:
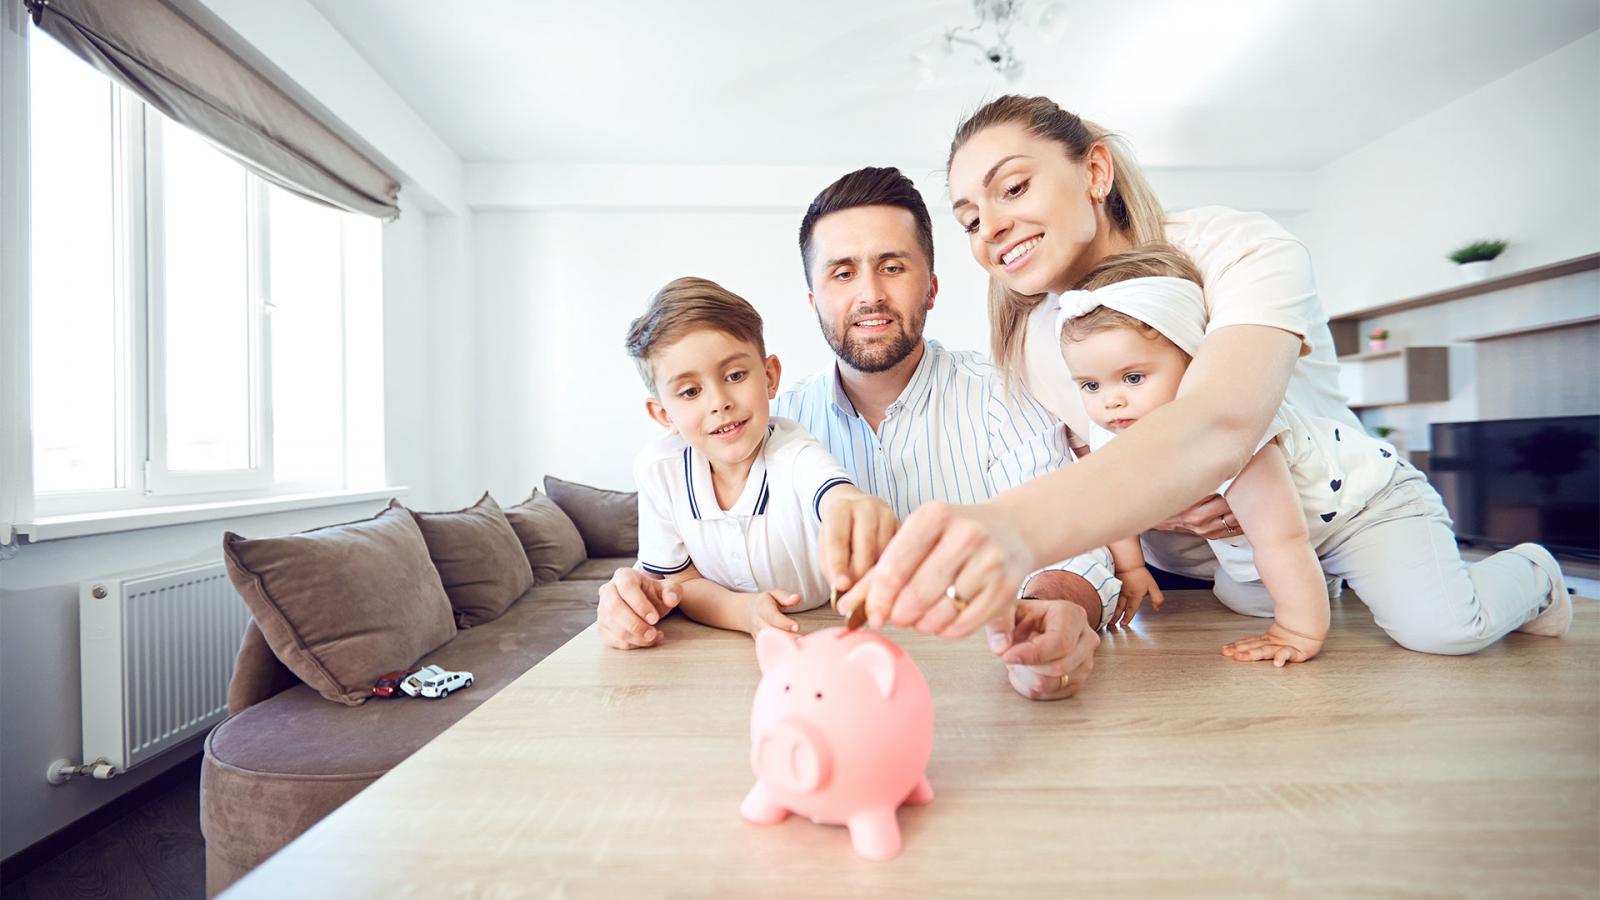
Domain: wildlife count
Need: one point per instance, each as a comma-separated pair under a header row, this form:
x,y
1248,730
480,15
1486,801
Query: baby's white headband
x,y
1176,307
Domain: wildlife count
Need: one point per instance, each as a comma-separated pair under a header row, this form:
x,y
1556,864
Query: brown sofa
x,y
286,756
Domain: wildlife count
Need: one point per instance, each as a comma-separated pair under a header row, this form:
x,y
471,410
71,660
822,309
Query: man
x,y
913,422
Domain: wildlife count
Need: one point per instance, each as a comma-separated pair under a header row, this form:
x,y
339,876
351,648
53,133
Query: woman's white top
x,y
1256,273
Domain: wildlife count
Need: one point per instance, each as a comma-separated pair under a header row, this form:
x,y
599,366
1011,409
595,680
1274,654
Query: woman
x,y
1044,196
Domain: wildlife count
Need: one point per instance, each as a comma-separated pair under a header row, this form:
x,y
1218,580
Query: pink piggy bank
x,y
840,733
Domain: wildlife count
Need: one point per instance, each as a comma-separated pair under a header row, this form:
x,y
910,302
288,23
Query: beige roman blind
x,y
184,61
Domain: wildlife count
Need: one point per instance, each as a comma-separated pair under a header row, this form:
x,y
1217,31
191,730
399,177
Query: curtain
x,y
184,61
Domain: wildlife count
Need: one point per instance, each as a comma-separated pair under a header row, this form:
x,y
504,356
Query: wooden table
x,y
1373,770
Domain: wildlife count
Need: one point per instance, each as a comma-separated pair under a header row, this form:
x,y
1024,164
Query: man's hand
x,y
766,608
1137,584
1211,519
1048,649
855,529
630,604
1279,644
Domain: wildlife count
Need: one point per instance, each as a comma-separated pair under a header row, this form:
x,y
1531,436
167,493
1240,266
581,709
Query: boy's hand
x,y
766,611
1136,585
630,604
1279,645
855,529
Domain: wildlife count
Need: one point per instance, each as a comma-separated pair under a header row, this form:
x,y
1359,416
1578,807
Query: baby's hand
x,y
855,529
766,611
1279,645
1136,584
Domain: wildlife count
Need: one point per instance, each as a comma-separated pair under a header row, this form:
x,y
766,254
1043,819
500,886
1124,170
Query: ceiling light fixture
x,y
991,35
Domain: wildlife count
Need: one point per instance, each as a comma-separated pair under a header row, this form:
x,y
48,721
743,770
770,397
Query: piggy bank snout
x,y
792,755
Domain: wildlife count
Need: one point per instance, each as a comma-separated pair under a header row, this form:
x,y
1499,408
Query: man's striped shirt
x,y
955,434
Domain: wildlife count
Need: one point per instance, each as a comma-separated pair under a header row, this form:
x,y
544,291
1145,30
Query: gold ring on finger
x,y
953,597
1065,678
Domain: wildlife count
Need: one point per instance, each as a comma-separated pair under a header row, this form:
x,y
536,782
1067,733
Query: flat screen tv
x,y
1516,480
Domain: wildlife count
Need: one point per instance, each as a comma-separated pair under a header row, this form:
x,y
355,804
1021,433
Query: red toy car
x,y
389,685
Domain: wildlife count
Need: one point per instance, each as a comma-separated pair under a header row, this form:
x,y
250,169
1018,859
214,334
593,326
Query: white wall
x,y
1515,159
430,422
568,255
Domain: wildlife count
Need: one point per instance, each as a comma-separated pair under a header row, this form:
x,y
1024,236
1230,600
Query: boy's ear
x,y
774,369
656,411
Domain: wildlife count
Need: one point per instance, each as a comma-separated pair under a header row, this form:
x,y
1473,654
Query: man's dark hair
x,y
872,186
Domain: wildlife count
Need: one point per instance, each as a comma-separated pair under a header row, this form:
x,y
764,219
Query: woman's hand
x,y
1210,518
1279,644
949,570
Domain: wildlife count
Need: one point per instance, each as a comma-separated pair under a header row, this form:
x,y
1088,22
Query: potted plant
x,y
1473,259
1378,340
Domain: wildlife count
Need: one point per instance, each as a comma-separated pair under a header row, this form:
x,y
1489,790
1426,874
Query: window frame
x,y
144,481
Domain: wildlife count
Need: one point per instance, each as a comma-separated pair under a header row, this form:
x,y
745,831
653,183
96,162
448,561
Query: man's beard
x,y
879,356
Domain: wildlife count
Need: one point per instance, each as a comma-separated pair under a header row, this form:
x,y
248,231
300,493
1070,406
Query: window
x,y
198,334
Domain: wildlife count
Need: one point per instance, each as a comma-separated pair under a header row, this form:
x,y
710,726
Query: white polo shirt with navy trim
x,y
766,541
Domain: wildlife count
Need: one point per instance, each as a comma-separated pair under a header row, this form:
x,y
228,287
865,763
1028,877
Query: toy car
x,y
432,681
389,685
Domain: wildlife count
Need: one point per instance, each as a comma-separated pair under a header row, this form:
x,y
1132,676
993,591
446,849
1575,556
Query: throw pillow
x,y
344,604
608,520
552,543
479,558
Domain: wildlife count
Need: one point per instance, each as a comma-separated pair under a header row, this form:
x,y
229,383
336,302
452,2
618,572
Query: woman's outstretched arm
x,y
1172,458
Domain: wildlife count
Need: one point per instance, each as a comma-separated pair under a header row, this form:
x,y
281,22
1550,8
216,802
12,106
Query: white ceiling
x,y
1277,84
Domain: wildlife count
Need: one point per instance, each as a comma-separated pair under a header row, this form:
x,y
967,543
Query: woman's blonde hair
x,y
1156,259
1131,205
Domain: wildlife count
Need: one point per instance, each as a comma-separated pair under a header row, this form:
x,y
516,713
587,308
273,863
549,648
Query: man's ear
x,y
774,369
933,289
656,411
811,300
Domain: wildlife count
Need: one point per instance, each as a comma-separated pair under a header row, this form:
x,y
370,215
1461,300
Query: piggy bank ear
x,y
878,662
775,647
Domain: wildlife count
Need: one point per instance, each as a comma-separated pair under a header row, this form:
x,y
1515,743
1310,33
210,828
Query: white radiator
x,y
156,653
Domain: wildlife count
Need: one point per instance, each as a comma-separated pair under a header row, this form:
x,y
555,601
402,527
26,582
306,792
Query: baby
x,y
1317,496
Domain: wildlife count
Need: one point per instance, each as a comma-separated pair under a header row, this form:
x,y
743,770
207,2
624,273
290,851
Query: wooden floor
x,y
154,851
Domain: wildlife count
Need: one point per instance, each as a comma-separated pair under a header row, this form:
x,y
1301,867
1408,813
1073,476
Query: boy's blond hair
x,y
1158,259
686,305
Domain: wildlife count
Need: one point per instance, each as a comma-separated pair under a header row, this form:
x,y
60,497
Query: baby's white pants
x,y
1400,557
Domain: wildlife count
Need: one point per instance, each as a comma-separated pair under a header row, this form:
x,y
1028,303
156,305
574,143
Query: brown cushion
x,y
549,539
479,558
258,673
344,604
608,520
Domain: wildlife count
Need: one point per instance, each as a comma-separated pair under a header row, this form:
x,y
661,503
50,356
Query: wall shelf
x,y
1346,327
1529,329
1397,377
1371,355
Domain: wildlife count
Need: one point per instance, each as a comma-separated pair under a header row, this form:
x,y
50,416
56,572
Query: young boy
x,y
734,505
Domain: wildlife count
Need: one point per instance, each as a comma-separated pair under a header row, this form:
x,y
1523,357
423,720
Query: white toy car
x,y
432,681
